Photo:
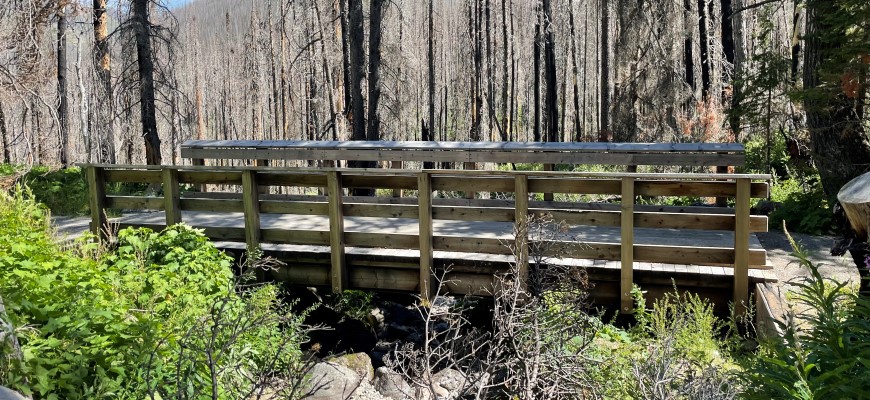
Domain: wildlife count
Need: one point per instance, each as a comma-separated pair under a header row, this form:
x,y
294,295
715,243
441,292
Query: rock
x,y
359,363
451,380
9,394
447,384
392,386
328,381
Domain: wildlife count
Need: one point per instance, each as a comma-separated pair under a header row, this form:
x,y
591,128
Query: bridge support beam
x,y
338,273
97,200
171,196
251,206
424,202
521,220
741,247
626,303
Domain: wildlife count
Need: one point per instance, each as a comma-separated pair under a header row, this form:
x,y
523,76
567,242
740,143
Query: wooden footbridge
x,y
419,225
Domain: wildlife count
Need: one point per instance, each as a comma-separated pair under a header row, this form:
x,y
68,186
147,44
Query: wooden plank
x,y
132,175
293,178
171,196
217,177
338,272
424,202
499,214
134,203
97,201
741,247
289,236
627,245
463,156
548,196
701,189
469,146
198,162
574,185
382,240
294,207
396,165
381,210
521,212
251,205
213,205
571,174
379,181
473,184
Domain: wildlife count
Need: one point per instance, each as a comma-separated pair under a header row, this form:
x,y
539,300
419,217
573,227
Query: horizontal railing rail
x,y
249,202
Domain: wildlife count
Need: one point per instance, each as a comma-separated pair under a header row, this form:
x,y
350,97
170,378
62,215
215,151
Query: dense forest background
x,y
87,81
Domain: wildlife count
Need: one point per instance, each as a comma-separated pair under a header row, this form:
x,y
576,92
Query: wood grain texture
x,y
338,272
627,245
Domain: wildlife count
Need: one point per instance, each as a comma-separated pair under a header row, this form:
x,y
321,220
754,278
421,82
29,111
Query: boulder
x,y
328,381
359,363
9,394
392,386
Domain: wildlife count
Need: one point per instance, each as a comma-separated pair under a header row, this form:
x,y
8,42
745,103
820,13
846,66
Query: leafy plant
x,y
94,323
803,205
824,352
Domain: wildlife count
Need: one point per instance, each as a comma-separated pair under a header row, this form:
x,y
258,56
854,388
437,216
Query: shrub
x,y
803,205
95,323
824,352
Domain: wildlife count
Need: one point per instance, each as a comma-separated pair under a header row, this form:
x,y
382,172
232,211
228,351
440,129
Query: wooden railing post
x,y
251,205
171,196
521,219
262,163
97,201
471,167
741,246
396,165
626,303
198,162
548,196
424,202
338,272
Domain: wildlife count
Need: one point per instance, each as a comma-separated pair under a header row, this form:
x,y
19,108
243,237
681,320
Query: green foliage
x,y
356,304
824,353
674,349
64,191
803,205
90,321
756,156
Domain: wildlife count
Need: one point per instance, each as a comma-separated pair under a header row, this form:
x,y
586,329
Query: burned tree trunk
x,y
374,81
552,97
63,99
104,75
145,61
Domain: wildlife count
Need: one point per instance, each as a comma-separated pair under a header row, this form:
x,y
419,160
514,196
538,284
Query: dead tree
x,y
103,60
63,99
551,100
141,25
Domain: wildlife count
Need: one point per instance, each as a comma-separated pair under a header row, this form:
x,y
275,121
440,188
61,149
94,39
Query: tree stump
x,y
854,199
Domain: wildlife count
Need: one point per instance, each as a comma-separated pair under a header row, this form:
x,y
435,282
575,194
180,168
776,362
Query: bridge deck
x,y
468,229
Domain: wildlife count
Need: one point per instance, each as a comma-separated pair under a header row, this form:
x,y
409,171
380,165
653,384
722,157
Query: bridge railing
x,y
333,202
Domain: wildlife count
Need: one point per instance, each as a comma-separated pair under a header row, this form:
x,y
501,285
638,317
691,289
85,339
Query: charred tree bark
x,y
357,69
427,133
4,134
706,62
536,49
505,116
145,62
345,57
63,99
604,129
551,102
104,75
578,130
374,81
